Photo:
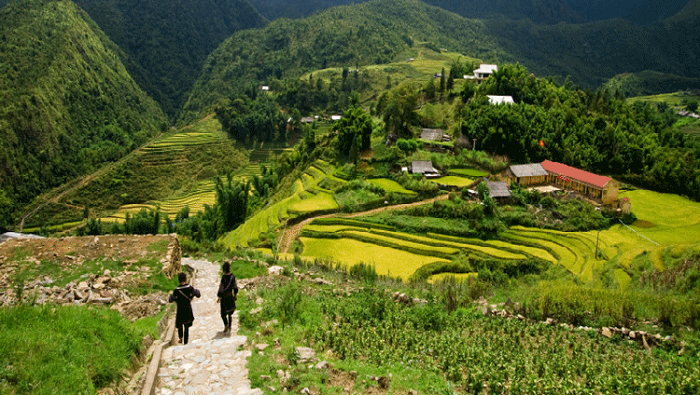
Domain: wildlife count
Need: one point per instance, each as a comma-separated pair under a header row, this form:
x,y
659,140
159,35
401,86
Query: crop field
x,y
307,197
459,277
453,180
474,173
394,262
390,186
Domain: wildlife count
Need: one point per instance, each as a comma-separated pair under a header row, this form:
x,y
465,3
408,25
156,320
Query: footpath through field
x,y
213,362
292,233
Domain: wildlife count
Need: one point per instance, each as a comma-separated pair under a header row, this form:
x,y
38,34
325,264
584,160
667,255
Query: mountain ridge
x,y
67,103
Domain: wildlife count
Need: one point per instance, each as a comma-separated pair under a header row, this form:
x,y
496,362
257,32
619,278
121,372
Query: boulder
x,y
605,331
306,354
275,270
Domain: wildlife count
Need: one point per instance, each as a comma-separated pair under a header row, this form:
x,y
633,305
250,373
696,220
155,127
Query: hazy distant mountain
x,y
67,103
167,41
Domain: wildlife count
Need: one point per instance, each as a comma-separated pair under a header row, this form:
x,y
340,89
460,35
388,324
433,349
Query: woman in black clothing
x,y
228,289
183,295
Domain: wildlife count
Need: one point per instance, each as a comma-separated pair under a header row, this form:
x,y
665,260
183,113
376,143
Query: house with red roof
x,y
597,187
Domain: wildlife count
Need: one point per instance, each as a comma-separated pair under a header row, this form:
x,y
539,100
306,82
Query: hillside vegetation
x,y
67,104
348,36
166,42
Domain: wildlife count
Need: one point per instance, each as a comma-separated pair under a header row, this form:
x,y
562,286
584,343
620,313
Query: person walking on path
x,y
228,289
183,295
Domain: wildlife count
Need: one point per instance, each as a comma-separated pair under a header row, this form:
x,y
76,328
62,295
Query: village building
x,y
483,72
601,188
498,190
500,99
424,167
434,135
335,118
525,175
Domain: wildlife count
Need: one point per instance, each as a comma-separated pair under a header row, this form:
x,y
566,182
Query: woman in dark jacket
x,y
183,295
228,289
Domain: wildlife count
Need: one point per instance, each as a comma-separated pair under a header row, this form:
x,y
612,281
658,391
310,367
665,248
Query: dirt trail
x,y
292,233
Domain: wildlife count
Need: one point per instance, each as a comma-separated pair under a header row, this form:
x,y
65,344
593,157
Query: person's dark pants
x,y
226,317
183,332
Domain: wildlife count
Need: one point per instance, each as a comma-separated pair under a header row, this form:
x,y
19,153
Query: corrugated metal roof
x,y
529,170
422,167
576,174
432,134
498,189
500,99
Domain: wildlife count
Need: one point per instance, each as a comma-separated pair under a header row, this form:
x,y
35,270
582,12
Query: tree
x,y
400,113
442,80
6,208
354,128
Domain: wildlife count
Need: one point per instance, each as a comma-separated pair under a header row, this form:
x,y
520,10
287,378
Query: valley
x,y
415,197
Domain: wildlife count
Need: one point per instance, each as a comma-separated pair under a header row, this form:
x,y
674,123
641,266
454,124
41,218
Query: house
x,y
483,72
500,99
308,119
434,135
335,118
597,187
424,167
498,190
265,88
525,175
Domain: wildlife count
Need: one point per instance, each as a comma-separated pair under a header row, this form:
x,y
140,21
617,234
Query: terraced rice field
x,y
670,221
390,186
453,180
307,197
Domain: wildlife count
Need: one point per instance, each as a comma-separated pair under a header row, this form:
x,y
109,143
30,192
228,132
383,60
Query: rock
x,y
550,321
305,391
322,365
261,346
275,270
306,354
265,377
98,286
633,335
605,331
625,331
521,318
77,295
280,373
83,285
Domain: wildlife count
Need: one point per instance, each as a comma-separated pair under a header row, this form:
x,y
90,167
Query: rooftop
x,y
576,174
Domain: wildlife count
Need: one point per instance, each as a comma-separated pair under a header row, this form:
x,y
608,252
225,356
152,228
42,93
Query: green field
x,y
453,180
390,186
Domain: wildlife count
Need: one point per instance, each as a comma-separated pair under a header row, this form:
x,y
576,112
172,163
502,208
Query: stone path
x,y
213,362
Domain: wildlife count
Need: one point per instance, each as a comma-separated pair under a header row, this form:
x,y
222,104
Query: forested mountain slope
x,y
347,36
67,103
167,41
543,11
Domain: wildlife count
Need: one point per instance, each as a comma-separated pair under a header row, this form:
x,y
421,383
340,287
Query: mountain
x,y
167,42
67,103
543,11
347,36
639,12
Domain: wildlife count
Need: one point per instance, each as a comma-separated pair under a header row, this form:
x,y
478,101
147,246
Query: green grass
x,y
474,173
63,349
390,186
